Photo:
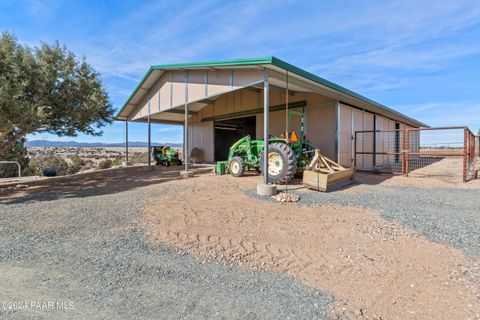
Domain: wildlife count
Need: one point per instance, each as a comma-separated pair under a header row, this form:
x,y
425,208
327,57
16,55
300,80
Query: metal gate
x,y
379,151
445,151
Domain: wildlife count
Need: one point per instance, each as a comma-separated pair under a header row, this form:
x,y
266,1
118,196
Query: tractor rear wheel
x,y
282,163
236,166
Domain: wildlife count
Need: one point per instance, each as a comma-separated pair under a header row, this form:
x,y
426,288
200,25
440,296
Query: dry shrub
x,y
39,163
89,164
139,157
105,164
76,165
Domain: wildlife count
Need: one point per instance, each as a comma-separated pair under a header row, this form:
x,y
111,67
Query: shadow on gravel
x,y
94,183
90,253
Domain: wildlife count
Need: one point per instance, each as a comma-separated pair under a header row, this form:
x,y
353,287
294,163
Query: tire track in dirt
x,y
375,268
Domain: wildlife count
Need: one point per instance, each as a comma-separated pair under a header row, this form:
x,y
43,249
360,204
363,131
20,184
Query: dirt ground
x,y
376,269
417,181
71,248
448,166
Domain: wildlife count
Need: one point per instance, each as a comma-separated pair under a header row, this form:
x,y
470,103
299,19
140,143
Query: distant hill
x,y
47,143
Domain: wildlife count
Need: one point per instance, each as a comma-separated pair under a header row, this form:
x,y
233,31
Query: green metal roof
x,y
218,63
275,62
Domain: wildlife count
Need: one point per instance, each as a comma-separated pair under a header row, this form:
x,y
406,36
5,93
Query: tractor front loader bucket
x,y
326,175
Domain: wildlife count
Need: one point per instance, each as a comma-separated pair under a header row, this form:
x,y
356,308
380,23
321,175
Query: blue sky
x,y
419,57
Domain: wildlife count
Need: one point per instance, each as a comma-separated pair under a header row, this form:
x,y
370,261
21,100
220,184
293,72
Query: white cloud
x,y
387,46
438,114
420,108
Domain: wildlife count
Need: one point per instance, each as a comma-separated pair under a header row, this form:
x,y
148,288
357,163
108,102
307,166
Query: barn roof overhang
x,y
299,80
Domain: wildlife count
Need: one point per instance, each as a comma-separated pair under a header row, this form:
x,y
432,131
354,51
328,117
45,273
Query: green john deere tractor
x,y
165,156
286,157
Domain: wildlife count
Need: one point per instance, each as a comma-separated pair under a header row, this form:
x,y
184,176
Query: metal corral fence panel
x,y
436,151
445,151
472,156
477,155
379,151
477,149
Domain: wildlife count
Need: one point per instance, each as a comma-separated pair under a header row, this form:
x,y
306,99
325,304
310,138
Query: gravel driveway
x,y
83,252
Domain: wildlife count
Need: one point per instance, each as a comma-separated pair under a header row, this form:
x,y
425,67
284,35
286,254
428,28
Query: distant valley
x,y
48,143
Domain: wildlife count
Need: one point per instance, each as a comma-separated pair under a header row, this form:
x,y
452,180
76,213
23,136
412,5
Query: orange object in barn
x,y
294,138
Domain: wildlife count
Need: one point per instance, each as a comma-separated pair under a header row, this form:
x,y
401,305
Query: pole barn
x,y
219,102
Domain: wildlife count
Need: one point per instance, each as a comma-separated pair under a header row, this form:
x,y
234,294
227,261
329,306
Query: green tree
x,y
48,90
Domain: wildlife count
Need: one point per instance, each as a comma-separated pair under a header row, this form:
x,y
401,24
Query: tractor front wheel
x,y
282,163
236,166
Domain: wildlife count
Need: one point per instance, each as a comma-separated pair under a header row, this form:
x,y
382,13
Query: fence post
x,y
406,151
477,141
403,151
355,151
465,154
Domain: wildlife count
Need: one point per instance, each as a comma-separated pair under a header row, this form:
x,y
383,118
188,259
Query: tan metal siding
x,y
368,141
171,86
196,85
358,126
345,135
218,81
201,136
178,88
321,128
165,91
379,141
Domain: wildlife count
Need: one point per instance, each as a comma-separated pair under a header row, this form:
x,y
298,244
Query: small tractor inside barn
x,y
287,156
165,156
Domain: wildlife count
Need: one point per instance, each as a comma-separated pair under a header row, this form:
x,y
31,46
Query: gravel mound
x,y
87,251
450,216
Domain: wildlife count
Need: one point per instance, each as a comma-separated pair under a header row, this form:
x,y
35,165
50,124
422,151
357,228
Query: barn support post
x,y
265,189
337,130
266,129
149,136
185,143
185,173
126,143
